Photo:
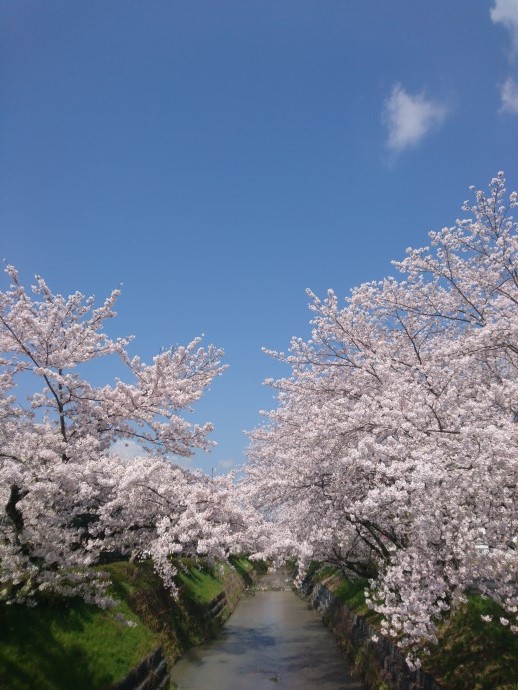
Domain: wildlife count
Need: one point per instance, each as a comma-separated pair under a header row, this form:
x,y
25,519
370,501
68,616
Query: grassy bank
x,y
63,644
471,654
469,648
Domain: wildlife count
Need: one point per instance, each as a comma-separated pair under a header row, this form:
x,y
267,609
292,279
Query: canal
x,y
272,641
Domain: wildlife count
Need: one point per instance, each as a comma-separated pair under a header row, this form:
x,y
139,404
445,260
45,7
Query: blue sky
x,y
218,157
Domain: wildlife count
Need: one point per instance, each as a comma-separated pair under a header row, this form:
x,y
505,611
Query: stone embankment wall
x,y
152,673
380,664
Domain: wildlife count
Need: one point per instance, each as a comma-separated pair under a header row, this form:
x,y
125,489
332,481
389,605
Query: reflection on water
x,y
272,641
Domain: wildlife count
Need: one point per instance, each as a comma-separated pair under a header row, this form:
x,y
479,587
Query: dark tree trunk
x,y
11,507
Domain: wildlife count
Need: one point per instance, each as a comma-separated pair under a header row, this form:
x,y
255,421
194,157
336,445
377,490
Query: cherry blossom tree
x,y
392,452
66,500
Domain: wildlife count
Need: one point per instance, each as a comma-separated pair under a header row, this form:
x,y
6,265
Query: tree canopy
x,y
392,451
68,501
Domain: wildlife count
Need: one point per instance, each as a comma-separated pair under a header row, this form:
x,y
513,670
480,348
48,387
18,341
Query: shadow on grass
x,y
470,650
32,655
170,618
244,573
180,622
69,645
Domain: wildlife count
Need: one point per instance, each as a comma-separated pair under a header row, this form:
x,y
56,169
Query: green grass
x,y
315,570
242,563
199,583
69,644
352,594
65,644
469,648
471,654
247,569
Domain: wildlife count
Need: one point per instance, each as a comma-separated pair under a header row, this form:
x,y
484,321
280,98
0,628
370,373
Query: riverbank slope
x,y
470,655
65,643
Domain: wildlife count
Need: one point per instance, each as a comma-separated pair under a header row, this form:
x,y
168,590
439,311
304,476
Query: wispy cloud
x,y
127,449
509,96
226,464
410,118
506,12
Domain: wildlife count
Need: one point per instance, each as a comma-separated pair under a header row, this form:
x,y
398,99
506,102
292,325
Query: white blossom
x,y
392,450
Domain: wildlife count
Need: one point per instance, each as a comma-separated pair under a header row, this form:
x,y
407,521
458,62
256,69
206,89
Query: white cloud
x,y
227,464
127,449
506,13
410,118
509,95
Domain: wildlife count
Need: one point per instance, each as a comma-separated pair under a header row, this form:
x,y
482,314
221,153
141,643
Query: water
x,y
272,641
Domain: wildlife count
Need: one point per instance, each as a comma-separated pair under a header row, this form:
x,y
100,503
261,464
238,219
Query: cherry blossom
x,y
392,451
68,503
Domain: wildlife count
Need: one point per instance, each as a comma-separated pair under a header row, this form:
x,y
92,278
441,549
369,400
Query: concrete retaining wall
x,y
380,664
151,674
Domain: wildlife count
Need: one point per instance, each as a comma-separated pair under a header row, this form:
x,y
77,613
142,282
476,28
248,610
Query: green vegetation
x,y
248,570
485,653
200,583
350,592
317,572
69,644
64,643
471,653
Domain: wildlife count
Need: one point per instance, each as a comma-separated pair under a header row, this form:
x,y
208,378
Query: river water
x,y
272,641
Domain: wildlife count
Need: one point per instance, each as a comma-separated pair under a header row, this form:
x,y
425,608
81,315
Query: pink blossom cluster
x,y
392,452
67,502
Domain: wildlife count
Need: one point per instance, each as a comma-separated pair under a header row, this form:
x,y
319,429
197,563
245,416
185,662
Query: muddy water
x,y
272,641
